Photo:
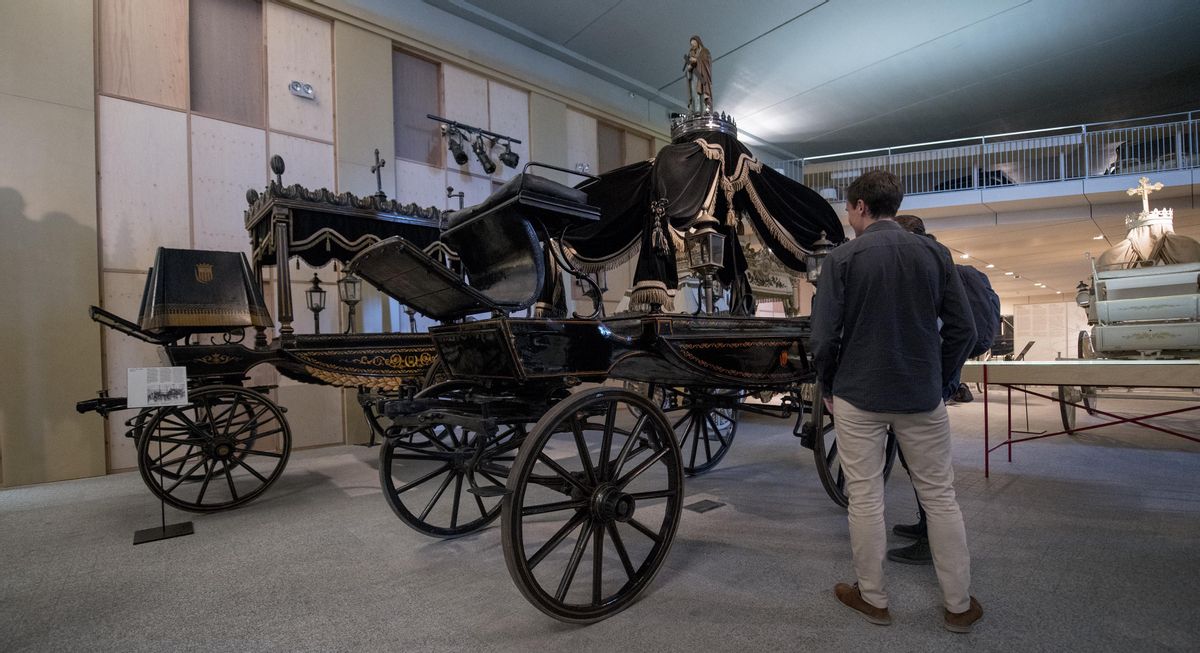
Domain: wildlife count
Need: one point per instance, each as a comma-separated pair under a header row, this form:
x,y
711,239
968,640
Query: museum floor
x,y
1087,545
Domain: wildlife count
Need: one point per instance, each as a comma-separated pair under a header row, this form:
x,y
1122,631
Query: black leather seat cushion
x,y
523,182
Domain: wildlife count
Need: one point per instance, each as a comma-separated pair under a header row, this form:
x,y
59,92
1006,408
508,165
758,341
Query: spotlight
x,y
481,153
508,157
456,148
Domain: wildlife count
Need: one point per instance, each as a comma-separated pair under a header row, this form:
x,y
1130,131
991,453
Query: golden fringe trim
x,y
591,266
774,227
355,380
646,293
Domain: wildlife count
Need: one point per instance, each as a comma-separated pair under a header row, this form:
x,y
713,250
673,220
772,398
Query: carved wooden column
x,y
280,221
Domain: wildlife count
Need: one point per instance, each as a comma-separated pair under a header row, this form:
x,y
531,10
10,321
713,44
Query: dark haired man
x,y
985,308
882,361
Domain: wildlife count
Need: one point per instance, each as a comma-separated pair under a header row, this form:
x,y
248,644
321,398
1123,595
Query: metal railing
x,y
1140,145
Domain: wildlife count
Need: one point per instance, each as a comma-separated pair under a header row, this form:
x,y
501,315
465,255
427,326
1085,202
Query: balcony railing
x,y
1141,145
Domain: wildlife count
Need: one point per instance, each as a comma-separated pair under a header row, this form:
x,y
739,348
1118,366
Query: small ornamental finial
x,y
277,168
1144,188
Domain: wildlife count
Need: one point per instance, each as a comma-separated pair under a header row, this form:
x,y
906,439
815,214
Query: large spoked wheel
x,y
593,503
220,451
706,427
1086,351
445,480
1077,395
829,461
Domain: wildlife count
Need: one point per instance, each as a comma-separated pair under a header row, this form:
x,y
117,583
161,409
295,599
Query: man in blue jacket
x,y
882,361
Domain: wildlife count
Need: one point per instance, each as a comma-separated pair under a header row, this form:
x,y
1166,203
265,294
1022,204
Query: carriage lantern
x,y
1083,295
812,262
315,297
706,252
350,292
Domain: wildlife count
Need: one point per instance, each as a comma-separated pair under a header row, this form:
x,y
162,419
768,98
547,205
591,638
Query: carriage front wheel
x,y
593,503
220,451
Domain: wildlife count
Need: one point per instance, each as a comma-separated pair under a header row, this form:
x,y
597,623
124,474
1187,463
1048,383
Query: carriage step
x,y
489,491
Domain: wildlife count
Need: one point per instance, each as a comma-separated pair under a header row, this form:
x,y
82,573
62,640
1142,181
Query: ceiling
x,y
812,77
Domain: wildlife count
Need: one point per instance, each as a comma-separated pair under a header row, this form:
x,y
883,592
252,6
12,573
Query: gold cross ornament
x,y
1144,189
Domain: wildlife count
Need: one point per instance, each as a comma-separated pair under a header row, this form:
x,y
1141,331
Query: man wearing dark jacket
x,y
985,307
882,361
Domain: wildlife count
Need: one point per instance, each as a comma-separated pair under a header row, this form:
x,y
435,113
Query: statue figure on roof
x,y
697,67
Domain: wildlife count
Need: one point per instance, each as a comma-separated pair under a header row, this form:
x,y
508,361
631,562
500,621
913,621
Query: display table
x,y
1017,375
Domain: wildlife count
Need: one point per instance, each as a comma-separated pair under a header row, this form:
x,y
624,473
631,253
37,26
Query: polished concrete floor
x,y
1083,544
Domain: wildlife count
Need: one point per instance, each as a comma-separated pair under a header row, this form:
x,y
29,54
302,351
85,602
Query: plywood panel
x,y
226,63
364,95
477,189
465,96
582,147
50,350
610,146
227,160
123,296
48,51
358,179
637,148
416,94
143,182
314,413
299,48
143,50
421,184
508,109
548,134
306,162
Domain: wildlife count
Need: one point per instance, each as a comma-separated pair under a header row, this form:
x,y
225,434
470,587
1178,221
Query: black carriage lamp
x,y
456,148
350,292
706,253
815,258
315,297
481,153
1083,295
508,157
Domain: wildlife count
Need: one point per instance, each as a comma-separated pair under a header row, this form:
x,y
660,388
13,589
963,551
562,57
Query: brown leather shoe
x,y
852,598
961,622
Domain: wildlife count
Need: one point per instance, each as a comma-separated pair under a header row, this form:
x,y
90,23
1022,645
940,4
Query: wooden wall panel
x,y
227,160
508,109
416,93
548,134
226,62
477,189
581,141
421,184
610,147
465,99
299,48
143,183
306,162
48,51
123,296
314,413
637,148
143,50
364,95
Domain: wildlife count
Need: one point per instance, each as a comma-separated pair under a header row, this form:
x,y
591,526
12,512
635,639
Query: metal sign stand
x,y
163,531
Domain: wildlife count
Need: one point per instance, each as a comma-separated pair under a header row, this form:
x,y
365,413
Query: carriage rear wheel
x,y
1078,395
706,427
220,451
829,461
445,480
593,504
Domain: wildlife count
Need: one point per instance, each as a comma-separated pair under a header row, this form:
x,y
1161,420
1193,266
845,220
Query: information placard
x,y
157,386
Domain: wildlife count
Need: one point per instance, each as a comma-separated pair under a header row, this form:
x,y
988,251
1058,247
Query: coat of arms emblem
x,y
204,272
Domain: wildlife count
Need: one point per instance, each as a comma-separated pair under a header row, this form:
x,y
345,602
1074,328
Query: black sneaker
x,y
917,553
964,394
911,531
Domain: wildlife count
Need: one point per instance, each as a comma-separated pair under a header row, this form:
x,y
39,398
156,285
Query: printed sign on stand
x,y
157,386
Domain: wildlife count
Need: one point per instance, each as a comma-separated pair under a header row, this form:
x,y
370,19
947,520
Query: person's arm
x,y
827,317
958,323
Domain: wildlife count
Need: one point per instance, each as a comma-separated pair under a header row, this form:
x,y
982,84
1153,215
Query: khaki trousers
x,y
925,439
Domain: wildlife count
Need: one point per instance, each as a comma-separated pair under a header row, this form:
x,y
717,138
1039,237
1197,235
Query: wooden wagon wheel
x,y
1086,351
418,466
829,461
593,504
220,451
705,431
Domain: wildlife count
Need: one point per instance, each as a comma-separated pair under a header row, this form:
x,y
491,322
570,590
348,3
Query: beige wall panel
x,y
508,109
314,413
143,182
477,189
50,350
123,296
637,148
548,134
464,96
227,160
581,141
226,60
421,185
306,162
358,179
302,319
143,50
364,96
299,48
355,422
48,51
658,145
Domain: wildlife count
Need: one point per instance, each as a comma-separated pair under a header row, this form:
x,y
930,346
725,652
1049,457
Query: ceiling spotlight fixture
x,y
481,153
456,148
1008,274
966,256
508,157
989,266
1057,292
1100,237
